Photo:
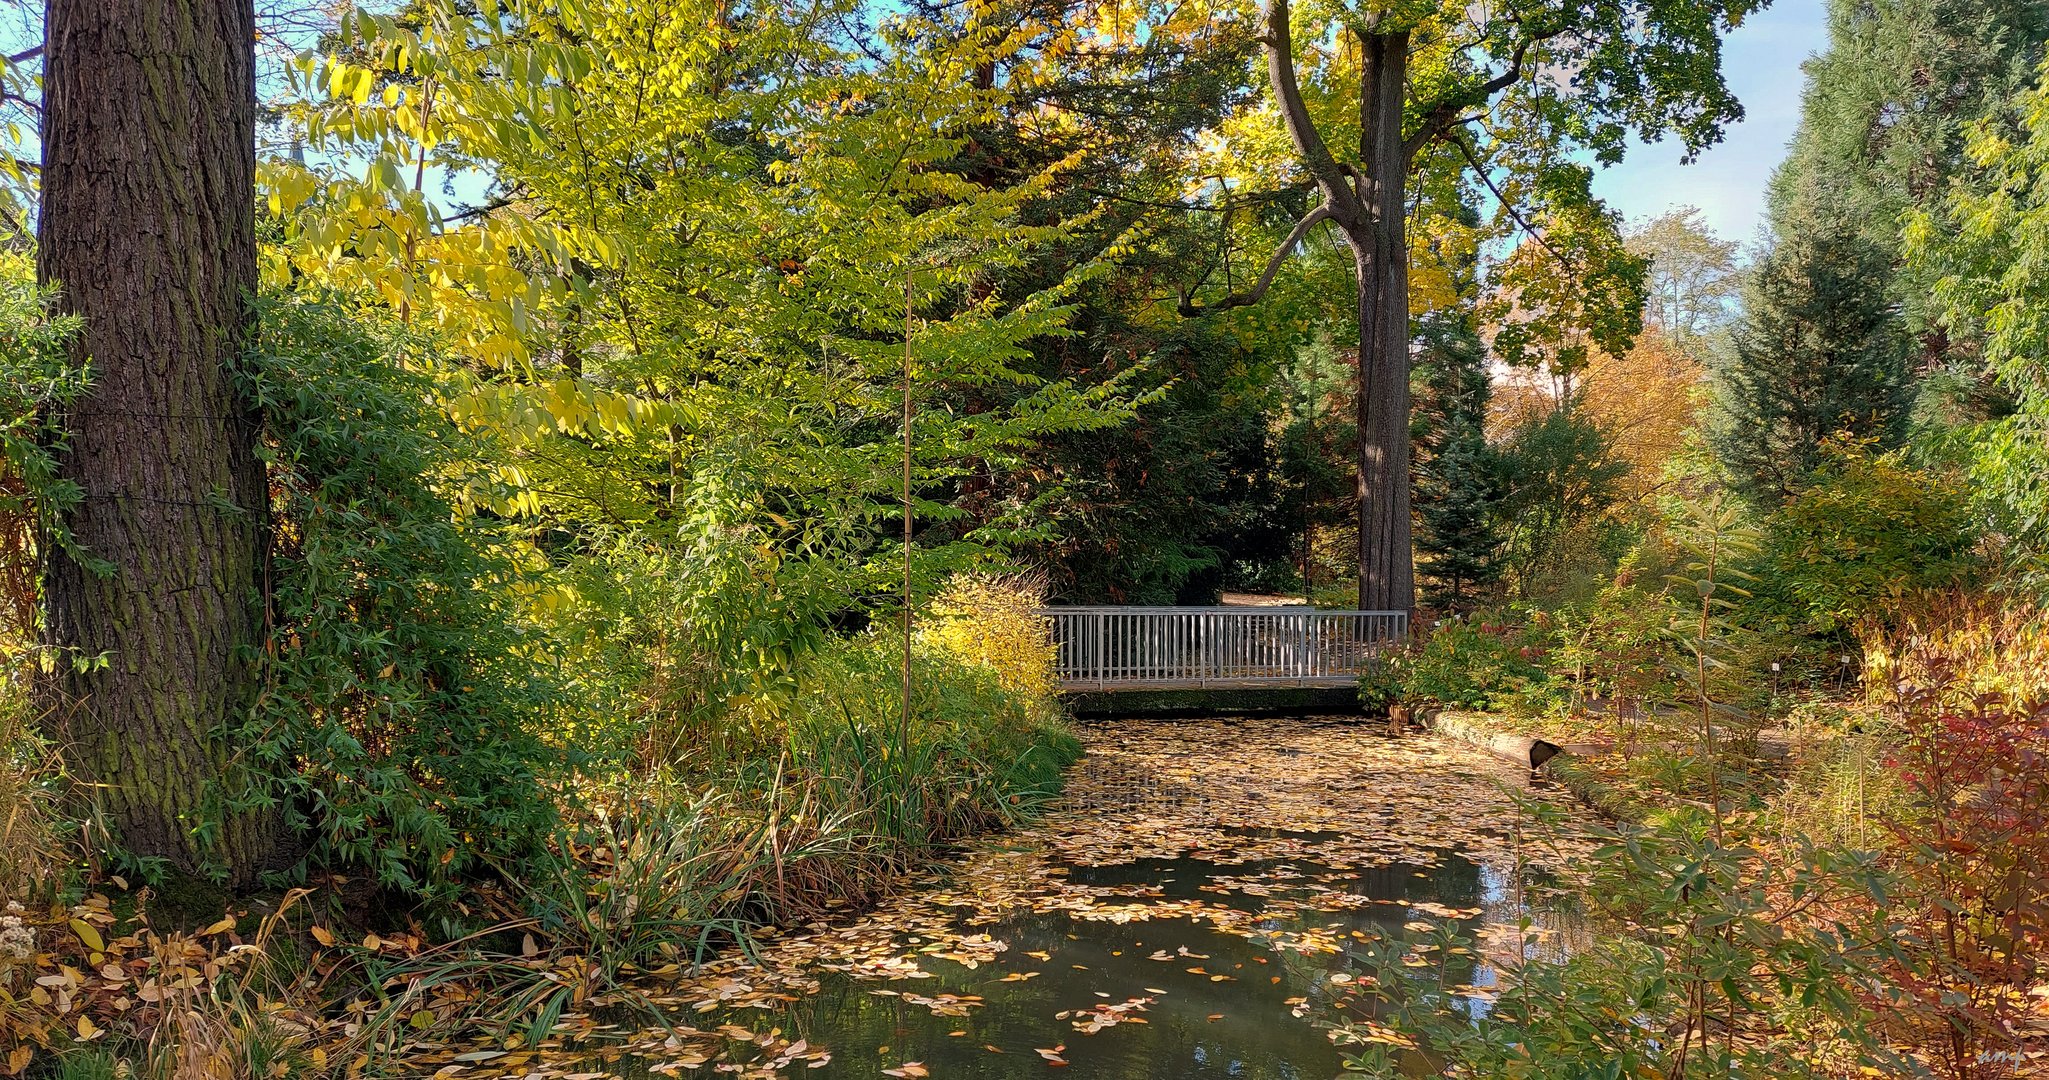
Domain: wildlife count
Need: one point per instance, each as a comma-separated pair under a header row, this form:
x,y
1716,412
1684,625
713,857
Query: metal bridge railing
x,y
1106,648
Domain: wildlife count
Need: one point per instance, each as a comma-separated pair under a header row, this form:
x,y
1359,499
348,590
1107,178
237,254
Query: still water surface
x,y
1323,835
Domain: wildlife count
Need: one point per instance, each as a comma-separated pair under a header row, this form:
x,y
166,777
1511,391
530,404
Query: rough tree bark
x,y
1380,255
147,228
1367,203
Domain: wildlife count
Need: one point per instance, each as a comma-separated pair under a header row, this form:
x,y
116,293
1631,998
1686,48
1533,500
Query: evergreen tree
x,y
1457,479
1818,353
1883,124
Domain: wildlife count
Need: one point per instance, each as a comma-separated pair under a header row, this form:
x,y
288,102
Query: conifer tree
x,y
1818,354
1457,480
1884,118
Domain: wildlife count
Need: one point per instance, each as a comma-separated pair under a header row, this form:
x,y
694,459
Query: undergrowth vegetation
x,y
527,773
1822,728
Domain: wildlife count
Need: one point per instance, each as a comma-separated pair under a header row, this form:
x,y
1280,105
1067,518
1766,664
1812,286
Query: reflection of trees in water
x,y
1452,880
1254,1038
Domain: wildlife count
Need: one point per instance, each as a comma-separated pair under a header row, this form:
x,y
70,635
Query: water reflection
x,y
1185,912
1212,1004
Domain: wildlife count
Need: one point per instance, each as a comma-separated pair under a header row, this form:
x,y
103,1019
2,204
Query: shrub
x,y
1476,664
666,635
1970,643
995,622
1563,480
36,378
1839,790
852,796
1618,648
1733,974
403,695
35,856
1869,531
1976,852
971,755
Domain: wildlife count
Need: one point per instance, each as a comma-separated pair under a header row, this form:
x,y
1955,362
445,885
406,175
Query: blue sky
x,y
1762,61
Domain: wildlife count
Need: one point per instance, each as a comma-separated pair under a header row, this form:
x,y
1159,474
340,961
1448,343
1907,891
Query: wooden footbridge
x,y
1218,648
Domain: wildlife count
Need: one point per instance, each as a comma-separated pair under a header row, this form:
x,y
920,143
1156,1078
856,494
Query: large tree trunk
x,y
147,228
1380,254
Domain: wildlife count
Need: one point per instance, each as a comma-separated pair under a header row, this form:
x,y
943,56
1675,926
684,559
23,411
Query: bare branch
x,y
1189,308
25,55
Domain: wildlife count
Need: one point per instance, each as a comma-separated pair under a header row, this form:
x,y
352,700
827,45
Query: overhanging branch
x,y
1473,158
1189,308
1338,195
1443,116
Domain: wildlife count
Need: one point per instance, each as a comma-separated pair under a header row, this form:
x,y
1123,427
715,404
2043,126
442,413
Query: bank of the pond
x,y
1565,758
1189,908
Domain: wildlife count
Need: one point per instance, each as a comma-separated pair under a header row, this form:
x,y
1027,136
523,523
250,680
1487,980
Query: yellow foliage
x,y
1976,643
995,622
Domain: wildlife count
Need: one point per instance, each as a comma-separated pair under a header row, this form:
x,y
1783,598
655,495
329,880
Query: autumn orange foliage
x,y
1647,400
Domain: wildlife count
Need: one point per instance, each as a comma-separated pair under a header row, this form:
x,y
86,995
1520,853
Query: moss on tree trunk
x,y
147,228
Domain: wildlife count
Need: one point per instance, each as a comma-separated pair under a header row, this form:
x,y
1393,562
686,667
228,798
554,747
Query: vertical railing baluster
x,y
1102,647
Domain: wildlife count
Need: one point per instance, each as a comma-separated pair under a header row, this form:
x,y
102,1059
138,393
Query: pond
x,y
1188,909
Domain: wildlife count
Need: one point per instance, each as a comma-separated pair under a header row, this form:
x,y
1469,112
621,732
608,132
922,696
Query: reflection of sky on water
x,y
1195,1026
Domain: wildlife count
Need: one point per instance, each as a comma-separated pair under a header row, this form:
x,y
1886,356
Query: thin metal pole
x,y
903,744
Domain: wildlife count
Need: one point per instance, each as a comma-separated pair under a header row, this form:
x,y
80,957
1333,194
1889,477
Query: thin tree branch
x,y
1444,115
26,55
1473,158
1189,309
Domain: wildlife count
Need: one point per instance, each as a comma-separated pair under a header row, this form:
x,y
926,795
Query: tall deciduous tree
x,y
1512,89
147,227
1692,281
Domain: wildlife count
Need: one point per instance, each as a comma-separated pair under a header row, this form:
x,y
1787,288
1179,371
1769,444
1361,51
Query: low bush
x,y
1969,642
1617,649
1753,958
1481,663
853,793
1868,532
1973,844
1839,787
995,622
36,860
